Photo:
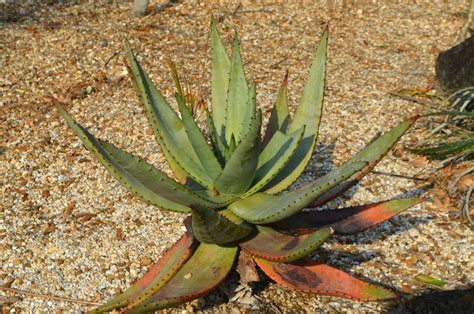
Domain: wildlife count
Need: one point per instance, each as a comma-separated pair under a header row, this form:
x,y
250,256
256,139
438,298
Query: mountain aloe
x,y
228,182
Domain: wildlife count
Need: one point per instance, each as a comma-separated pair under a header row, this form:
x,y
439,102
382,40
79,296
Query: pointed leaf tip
x,y
198,276
220,69
347,220
154,279
312,277
307,113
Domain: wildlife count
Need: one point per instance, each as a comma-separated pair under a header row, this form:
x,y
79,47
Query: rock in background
x,y
455,66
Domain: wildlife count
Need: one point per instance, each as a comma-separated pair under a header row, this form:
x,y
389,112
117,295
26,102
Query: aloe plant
x,y
229,185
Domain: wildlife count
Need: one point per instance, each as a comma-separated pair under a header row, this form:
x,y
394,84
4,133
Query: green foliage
x,y
452,136
232,181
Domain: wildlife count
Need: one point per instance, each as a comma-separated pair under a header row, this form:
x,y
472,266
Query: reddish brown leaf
x,y
203,272
420,162
311,277
346,220
155,278
466,181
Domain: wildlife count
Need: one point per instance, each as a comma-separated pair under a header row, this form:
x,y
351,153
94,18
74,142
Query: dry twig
x,y
45,296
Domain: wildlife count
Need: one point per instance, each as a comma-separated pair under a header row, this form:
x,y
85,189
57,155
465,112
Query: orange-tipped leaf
x,y
203,272
346,220
312,277
155,278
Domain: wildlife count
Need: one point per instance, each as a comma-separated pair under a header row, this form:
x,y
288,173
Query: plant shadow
x,y
452,301
342,259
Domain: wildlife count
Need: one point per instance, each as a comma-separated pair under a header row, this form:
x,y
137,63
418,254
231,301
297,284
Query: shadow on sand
x,y
453,301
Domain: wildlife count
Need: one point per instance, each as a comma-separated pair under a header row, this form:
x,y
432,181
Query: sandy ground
x,y
68,229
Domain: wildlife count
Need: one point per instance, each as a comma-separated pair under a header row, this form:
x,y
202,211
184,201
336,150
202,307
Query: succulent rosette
x,y
231,184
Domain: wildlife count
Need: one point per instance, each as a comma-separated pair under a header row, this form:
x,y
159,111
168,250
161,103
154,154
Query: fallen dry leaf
x,y
420,162
466,181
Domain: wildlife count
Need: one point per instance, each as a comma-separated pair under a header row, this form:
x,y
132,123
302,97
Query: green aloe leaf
x,y
230,147
198,141
430,280
373,154
262,208
221,227
155,278
237,96
279,117
155,180
168,127
203,272
240,169
275,246
307,114
274,157
382,145
175,76
220,69
251,109
131,177
218,145
464,146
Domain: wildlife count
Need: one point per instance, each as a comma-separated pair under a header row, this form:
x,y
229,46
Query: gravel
x,y
68,229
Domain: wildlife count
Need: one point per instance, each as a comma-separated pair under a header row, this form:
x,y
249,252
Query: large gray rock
x,y
455,66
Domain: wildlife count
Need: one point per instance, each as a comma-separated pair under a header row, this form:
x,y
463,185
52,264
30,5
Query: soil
x,y
71,236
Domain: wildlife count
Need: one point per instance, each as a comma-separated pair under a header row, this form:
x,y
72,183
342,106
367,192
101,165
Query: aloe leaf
x,y
168,127
430,280
382,145
274,157
313,277
373,154
279,117
307,114
464,146
275,246
346,220
198,141
175,76
214,227
220,69
202,273
237,96
262,208
218,145
240,169
155,180
131,179
155,278
251,109
230,147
